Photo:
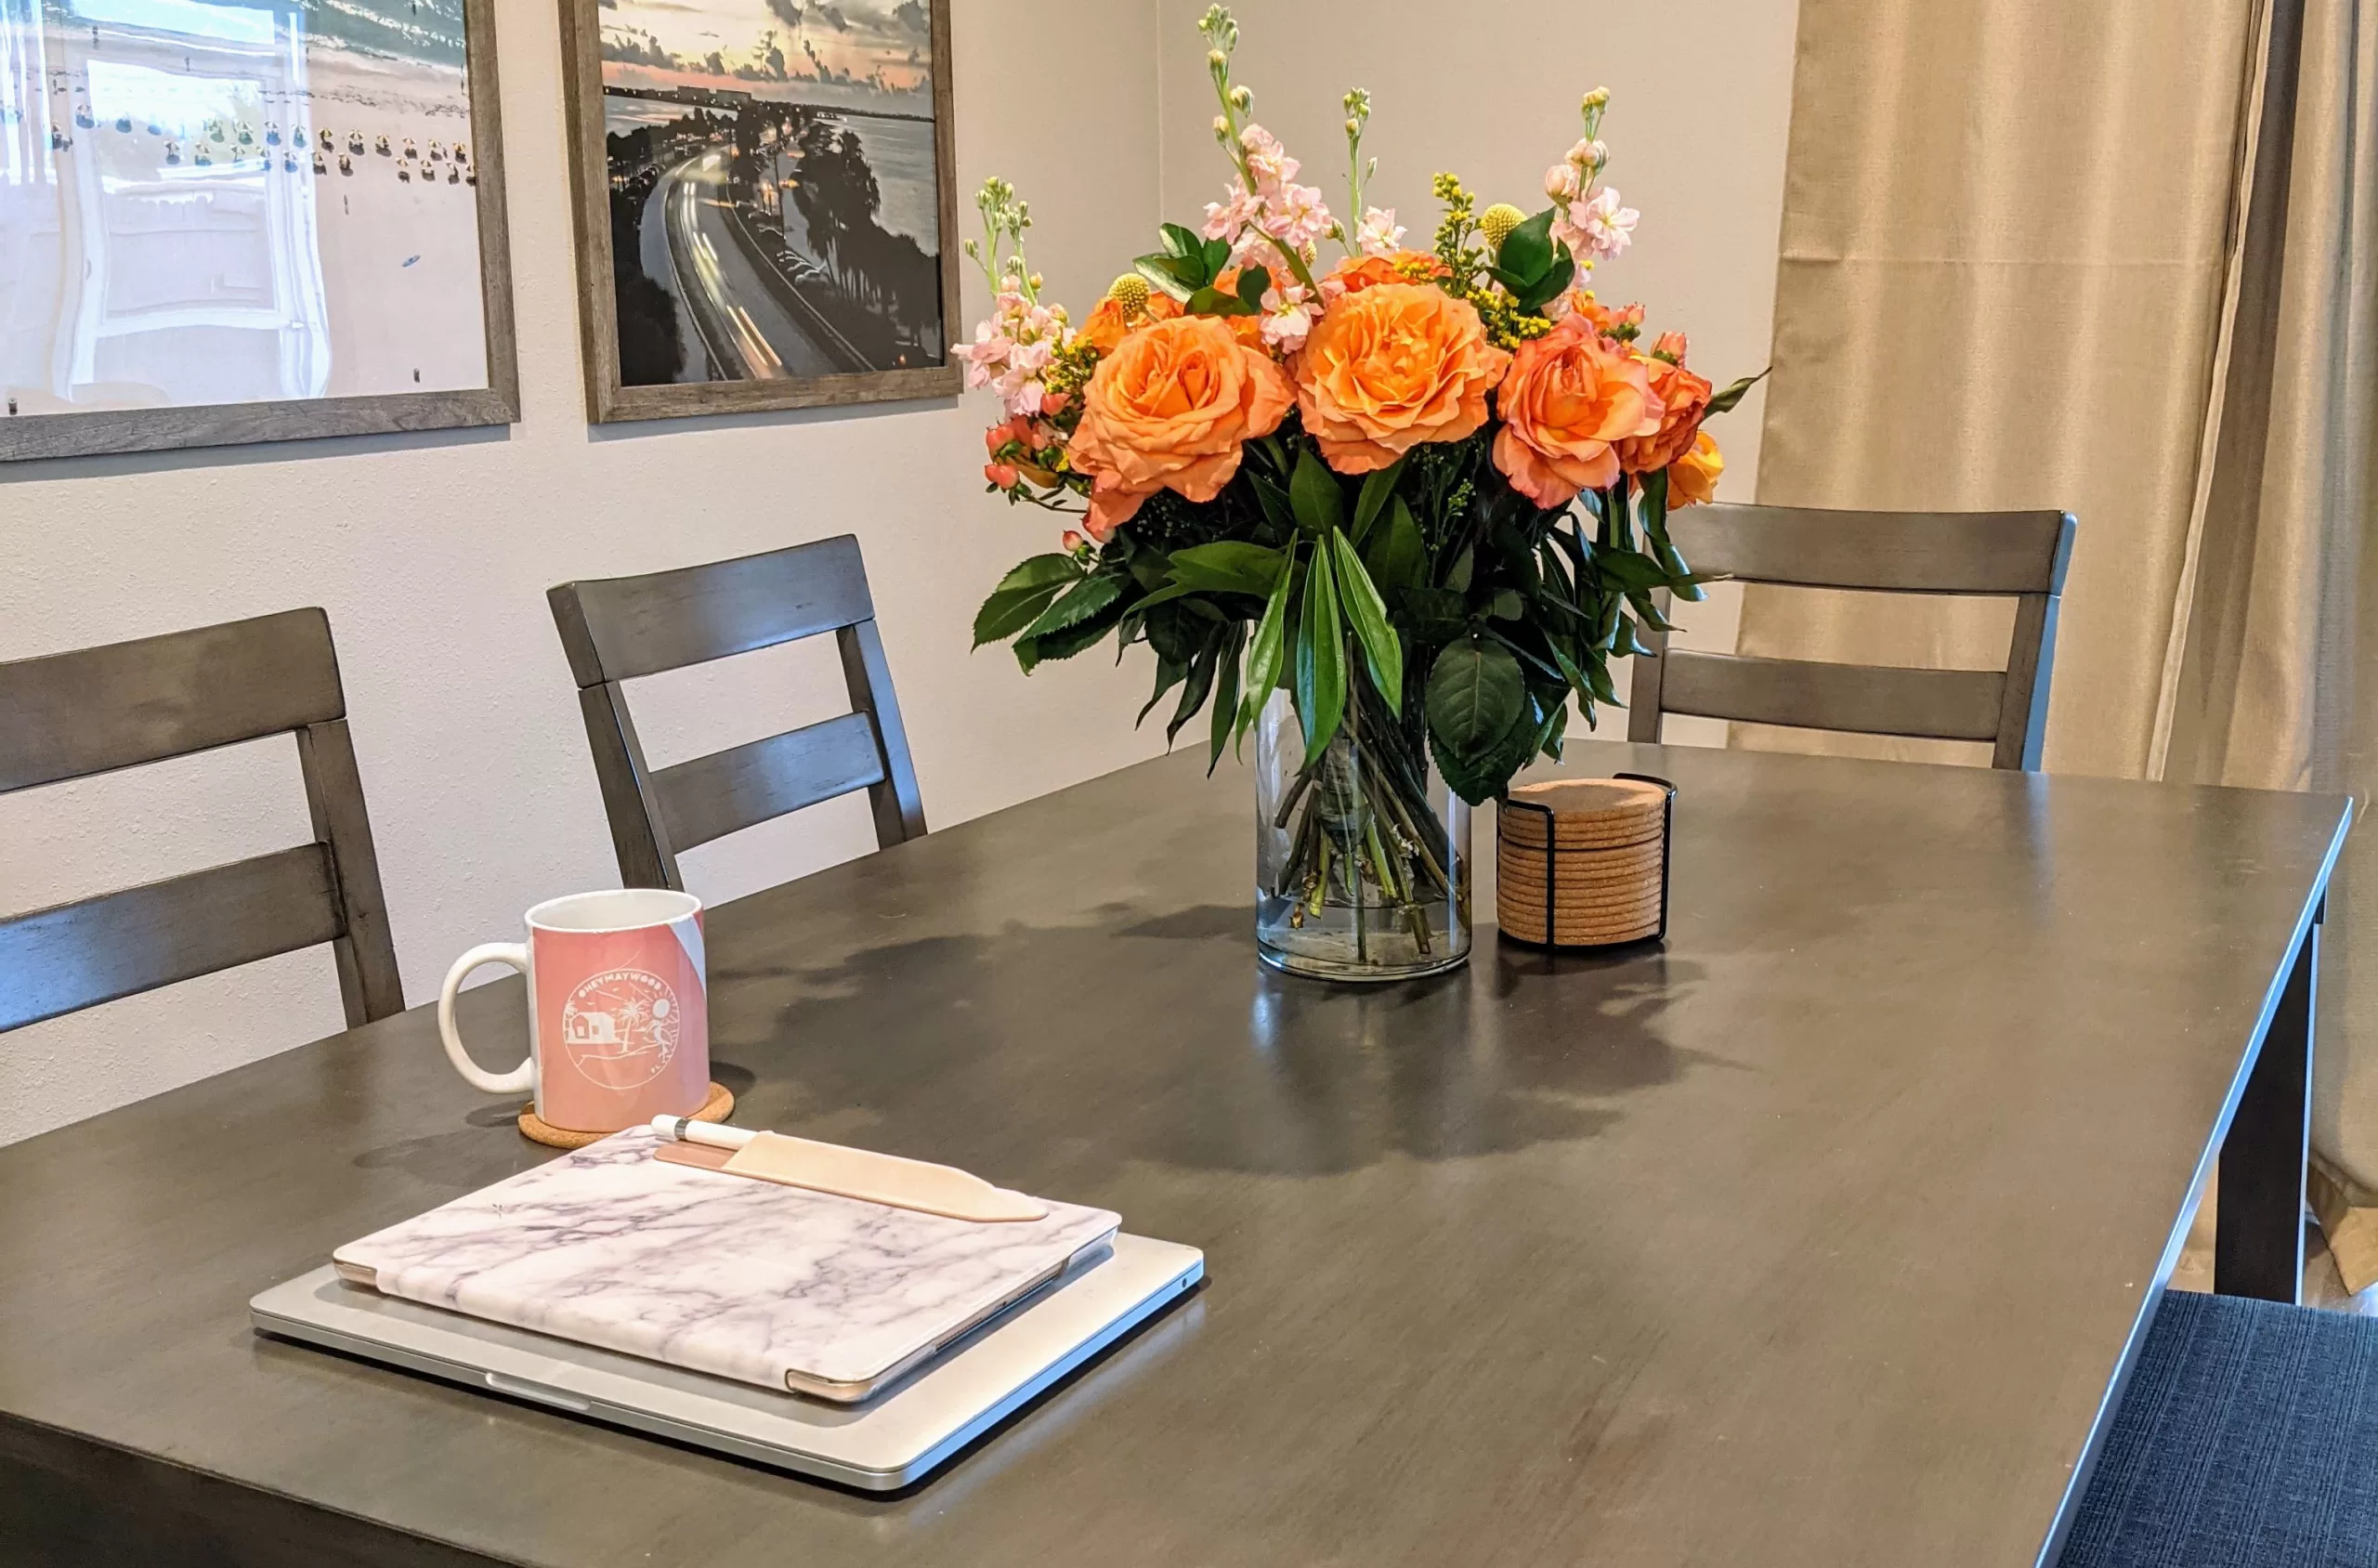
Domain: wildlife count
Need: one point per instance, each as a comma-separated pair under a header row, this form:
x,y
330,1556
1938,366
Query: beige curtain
x,y
2282,619
2006,244
2119,258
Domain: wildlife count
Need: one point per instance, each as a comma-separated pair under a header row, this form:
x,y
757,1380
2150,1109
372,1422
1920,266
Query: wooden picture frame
x,y
608,397
29,437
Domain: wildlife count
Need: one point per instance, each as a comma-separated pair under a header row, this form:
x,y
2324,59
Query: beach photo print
x,y
764,195
248,220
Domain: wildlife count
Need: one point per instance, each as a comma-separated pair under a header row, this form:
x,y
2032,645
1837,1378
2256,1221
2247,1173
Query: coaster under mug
x,y
718,1107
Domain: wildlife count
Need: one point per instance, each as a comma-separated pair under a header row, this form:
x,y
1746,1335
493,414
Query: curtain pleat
x,y
2008,231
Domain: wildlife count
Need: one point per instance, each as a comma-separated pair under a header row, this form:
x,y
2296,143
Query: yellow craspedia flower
x,y
1129,291
1497,221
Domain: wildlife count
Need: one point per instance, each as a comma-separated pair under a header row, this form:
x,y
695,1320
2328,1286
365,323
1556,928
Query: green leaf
x,y
1313,494
1043,572
1321,657
1083,600
1273,498
1022,596
1211,301
1376,489
1183,241
1229,566
1397,557
1193,692
1225,696
1464,565
1167,675
1264,653
1164,271
1506,604
1725,402
1526,252
1253,283
1562,273
1475,694
1217,257
1478,778
1010,610
1654,512
1382,649
1033,649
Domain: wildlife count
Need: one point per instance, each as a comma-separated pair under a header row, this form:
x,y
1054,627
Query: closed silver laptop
x,y
894,1440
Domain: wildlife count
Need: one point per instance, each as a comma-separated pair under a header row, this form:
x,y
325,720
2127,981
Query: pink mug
x,y
618,1011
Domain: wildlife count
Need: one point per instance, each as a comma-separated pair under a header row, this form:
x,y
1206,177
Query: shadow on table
x,y
1130,1038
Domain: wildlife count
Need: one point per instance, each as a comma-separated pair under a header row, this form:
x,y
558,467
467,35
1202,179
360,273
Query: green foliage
x,y
1429,595
1321,657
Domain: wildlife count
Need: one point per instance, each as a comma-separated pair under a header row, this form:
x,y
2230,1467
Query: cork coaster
x,y
1526,831
718,1107
1588,812
1527,924
1582,914
1579,865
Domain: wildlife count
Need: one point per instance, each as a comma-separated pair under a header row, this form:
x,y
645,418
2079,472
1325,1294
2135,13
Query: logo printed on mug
x,y
620,1027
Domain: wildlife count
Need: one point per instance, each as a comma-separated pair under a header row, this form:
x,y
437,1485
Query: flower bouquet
x,y
1393,512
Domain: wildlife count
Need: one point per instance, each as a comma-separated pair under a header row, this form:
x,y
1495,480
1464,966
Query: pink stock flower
x,y
1608,228
1267,160
1287,317
1563,183
1379,233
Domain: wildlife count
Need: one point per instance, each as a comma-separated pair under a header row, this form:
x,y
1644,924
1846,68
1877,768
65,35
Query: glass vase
x,y
1362,855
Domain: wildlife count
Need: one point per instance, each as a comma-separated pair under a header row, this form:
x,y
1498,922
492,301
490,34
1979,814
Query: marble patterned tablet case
x,y
719,1274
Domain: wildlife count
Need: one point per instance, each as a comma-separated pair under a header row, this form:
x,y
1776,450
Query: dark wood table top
x,y
1812,1239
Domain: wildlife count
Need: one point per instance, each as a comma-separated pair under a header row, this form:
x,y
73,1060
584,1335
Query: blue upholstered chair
x,y
2248,1438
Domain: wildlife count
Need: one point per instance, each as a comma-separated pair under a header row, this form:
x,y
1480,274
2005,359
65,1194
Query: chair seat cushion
x,y
2248,1436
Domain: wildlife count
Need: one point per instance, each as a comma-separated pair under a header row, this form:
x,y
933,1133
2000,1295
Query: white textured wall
x,y
433,554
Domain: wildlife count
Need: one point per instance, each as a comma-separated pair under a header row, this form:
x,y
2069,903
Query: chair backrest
x,y
71,715
2017,555
616,629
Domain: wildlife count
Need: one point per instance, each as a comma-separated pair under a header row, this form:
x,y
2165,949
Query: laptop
x,y
894,1439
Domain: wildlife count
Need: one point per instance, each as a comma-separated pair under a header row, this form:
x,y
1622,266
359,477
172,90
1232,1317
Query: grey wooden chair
x,y
71,715
616,629
2017,554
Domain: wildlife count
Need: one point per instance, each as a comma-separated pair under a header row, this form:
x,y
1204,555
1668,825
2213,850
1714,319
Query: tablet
x,y
894,1440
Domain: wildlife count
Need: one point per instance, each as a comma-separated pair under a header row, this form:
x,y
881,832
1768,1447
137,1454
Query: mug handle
x,y
522,1077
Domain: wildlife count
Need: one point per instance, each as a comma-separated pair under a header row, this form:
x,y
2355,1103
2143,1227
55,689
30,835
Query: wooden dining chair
x,y
2017,555
616,629
71,715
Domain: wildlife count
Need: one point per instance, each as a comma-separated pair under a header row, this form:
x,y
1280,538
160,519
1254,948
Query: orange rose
x,y
1107,324
1356,273
1169,410
1693,478
1682,396
1570,399
1390,367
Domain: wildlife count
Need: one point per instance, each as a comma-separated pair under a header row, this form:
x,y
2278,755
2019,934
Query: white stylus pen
x,y
686,1130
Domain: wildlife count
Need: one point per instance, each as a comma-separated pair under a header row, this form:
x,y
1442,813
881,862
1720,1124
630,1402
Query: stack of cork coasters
x,y
1583,862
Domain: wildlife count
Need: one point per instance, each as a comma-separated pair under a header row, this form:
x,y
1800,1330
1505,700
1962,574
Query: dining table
x,y
1822,1231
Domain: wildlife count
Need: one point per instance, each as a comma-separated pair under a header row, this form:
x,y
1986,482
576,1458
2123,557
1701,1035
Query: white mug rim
x,y
539,915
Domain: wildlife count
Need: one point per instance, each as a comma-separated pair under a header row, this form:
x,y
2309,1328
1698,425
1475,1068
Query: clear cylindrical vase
x,y
1362,857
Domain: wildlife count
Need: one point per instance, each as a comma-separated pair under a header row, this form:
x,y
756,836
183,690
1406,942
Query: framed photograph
x,y
249,220
765,202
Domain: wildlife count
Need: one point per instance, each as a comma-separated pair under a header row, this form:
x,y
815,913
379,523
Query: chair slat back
x,y
2021,554
71,715
617,629
78,955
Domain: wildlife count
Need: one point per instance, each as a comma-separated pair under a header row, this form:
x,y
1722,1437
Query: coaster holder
x,y
1552,865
